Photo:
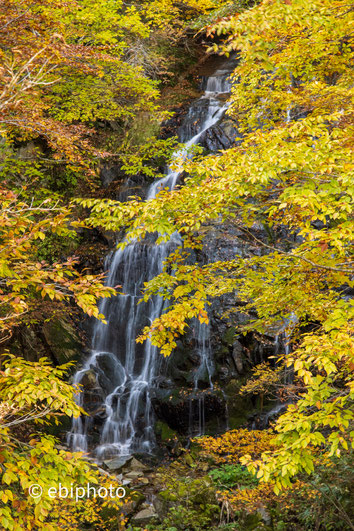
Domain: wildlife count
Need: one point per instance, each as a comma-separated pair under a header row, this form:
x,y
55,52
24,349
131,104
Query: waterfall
x,y
124,371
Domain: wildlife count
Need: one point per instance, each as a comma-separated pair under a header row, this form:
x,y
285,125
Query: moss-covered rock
x,y
164,432
62,340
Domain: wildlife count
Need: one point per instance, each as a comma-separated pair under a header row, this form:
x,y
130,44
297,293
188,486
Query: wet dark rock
x,y
221,136
181,410
89,380
237,356
170,127
240,408
163,383
216,62
110,372
93,405
108,173
261,421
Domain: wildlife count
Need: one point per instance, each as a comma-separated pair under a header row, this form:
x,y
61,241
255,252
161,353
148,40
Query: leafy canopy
x,y
293,173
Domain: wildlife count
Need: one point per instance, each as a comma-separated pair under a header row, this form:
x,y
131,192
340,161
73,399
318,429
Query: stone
x,y
237,356
88,380
28,151
163,430
110,372
177,448
134,464
134,474
264,515
160,506
144,516
188,459
117,463
133,505
101,470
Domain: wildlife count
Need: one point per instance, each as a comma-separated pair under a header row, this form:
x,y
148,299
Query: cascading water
x,y
282,341
125,371
204,371
203,347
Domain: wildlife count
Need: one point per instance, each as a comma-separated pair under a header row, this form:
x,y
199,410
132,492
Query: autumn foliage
x,y
234,444
293,173
68,68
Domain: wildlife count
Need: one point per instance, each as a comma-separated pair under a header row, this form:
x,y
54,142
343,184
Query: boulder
x,y
117,463
129,508
144,481
144,517
136,465
134,474
88,380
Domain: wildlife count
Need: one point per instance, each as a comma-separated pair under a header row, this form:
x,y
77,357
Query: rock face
x,y
62,339
237,356
184,410
57,339
211,409
220,136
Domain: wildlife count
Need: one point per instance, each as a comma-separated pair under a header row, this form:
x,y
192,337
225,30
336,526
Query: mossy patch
x,y
164,431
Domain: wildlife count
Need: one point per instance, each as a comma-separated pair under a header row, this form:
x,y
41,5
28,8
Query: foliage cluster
x,y
25,279
323,500
67,66
234,444
240,502
265,380
188,497
227,476
32,394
